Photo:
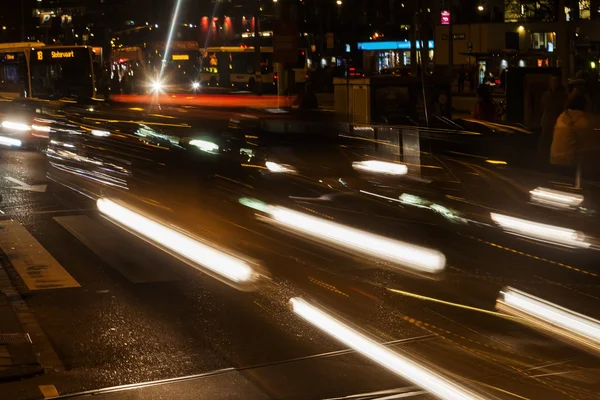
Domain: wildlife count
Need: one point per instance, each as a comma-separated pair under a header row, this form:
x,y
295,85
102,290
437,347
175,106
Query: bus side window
x,y
13,75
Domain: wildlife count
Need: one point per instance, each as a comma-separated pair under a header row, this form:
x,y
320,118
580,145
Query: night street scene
x,y
299,199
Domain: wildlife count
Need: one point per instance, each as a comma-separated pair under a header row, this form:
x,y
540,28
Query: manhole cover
x,y
14,338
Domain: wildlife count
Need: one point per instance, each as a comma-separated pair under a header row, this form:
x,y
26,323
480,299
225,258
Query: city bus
x,y
37,71
236,67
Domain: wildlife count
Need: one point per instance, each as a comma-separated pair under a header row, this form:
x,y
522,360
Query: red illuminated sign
x,y
445,17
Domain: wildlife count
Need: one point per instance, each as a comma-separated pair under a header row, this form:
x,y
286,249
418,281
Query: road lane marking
x,y
48,391
38,269
25,186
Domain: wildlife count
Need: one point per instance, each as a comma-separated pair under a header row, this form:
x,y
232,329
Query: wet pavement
x,y
110,310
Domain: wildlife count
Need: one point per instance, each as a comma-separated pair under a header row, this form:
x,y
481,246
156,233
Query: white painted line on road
x,y
38,269
25,186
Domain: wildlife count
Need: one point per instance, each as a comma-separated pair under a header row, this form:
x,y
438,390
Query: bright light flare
x,y
556,198
156,86
232,268
542,232
196,85
15,126
433,382
205,145
10,142
380,167
280,168
557,320
411,256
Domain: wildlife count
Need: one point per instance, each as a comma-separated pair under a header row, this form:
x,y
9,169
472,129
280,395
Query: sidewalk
x,y
17,358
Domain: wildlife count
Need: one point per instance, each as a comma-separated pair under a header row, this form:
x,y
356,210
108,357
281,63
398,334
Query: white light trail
x,y
394,251
546,233
227,266
556,198
40,128
11,142
170,37
205,145
280,168
100,133
15,126
380,167
558,320
431,381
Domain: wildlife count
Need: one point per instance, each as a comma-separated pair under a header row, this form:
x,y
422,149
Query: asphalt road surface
x,y
111,315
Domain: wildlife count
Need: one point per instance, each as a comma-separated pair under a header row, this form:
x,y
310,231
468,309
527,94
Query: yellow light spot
x,y
496,162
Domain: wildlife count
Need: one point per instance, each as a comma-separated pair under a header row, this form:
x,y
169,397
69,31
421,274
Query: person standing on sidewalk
x,y
553,104
462,74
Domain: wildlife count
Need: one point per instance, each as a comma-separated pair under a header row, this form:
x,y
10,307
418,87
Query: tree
x,y
530,10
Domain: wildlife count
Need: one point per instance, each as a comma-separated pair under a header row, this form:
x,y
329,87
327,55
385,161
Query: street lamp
x,y
480,7
338,2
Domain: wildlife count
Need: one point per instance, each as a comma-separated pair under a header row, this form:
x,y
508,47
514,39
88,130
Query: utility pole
x,y
450,57
22,20
564,42
258,70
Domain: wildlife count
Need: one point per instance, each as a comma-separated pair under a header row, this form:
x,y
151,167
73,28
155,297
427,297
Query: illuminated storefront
x,y
383,55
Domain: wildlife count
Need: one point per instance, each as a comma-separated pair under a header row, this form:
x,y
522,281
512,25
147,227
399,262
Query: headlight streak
x,y
411,256
380,167
570,326
225,265
100,133
204,145
556,198
280,168
16,126
431,381
11,142
542,232
40,128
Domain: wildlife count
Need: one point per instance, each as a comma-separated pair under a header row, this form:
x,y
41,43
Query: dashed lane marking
x,y
535,257
38,269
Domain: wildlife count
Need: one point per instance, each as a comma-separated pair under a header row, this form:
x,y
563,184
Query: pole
x,y
450,58
22,20
257,71
564,43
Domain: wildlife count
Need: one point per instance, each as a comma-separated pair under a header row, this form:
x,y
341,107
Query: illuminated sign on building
x,y
180,57
10,56
445,17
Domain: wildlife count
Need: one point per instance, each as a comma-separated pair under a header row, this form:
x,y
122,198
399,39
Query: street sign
x,y
445,17
285,42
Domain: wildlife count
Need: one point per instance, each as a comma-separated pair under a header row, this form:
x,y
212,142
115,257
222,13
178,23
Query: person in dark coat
x,y
553,104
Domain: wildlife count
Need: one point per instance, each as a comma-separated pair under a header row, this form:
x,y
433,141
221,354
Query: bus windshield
x,y
57,73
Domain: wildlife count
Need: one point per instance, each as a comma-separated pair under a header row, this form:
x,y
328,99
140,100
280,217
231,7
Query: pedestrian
x,y
471,73
484,110
462,74
307,99
115,85
573,128
553,104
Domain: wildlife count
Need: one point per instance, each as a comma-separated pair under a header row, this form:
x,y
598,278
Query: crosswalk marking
x,y
114,247
38,269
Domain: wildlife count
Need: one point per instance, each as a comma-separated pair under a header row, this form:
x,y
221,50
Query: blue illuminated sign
x,y
404,45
